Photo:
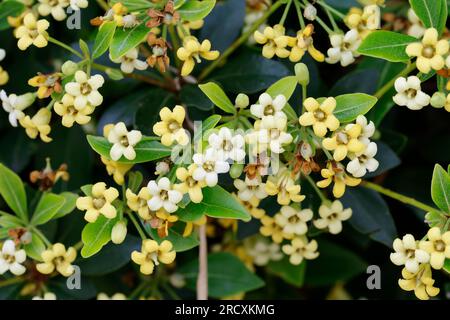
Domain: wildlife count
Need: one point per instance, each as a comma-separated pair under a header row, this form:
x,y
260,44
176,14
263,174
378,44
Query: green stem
x,y
384,89
299,14
398,196
77,246
170,291
138,290
316,189
239,41
333,22
11,281
331,9
285,13
137,226
320,21
103,4
65,46
41,235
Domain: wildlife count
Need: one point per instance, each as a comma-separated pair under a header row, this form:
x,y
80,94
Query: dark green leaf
x,y
9,9
126,39
433,13
192,96
13,192
386,45
294,275
193,10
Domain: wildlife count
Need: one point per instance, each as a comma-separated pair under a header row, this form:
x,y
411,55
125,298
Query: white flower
x,y
331,217
268,106
85,90
2,54
359,165
407,253
409,93
344,48
209,165
54,7
12,259
274,128
47,296
14,105
163,195
123,142
227,146
417,28
250,189
162,168
367,129
293,221
78,4
130,61
300,249
262,250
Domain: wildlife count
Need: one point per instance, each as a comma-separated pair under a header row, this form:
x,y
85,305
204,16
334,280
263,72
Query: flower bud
x,y
162,168
242,101
177,280
69,68
119,232
438,100
236,170
310,12
302,74
26,238
306,150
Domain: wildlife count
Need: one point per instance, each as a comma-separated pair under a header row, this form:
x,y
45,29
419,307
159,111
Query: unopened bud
x,y
26,238
302,74
177,280
119,232
236,170
242,101
306,150
310,12
438,100
69,68
162,168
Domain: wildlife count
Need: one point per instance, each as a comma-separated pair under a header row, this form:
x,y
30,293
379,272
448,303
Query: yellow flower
x,y
186,26
152,254
429,52
252,207
189,184
364,20
4,77
270,228
57,257
70,114
345,141
116,169
438,246
421,282
32,31
300,249
171,126
335,172
38,124
165,221
46,84
303,43
284,187
138,202
319,116
100,202
190,226
119,10
192,50
274,40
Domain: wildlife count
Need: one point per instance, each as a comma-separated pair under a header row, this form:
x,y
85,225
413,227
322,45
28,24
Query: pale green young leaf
x,y
432,13
193,10
47,207
13,192
95,235
440,188
386,45
218,96
126,39
350,106
103,39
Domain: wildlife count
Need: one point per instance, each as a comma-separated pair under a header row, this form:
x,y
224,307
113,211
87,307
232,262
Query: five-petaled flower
x,y
99,202
331,216
152,254
11,259
319,116
192,50
85,90
163,195
170,128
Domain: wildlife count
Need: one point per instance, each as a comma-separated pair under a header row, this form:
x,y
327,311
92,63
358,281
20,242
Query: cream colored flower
x,y
293,221
319,116
430,52
250,189
116,169
189,184
138,202
192,50
14,105
4,76
32,32
85,90
284,187
421,282
170,128
152,254
267,106
335,172
344,48
100,202
410,94
408,253
344,141
163,195
303,43
46,296
270,228
57,8
331,216
57,257
70,114
365,162
262,250
438,246
115,296
300,249
417,28
274,40
11,259
38,125
130,61
123,142
365,20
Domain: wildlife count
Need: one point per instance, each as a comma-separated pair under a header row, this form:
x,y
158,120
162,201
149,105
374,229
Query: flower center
x,y
10,259
439,246
173,126
153,256
227,145
342,137
158,51
319,115
85,88
428,52
164,195
209,166
411,93
191,183
124,141
99,203
269,110
274,133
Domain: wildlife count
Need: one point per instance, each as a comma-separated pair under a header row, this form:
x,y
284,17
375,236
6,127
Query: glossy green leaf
x,y
192,96
193,10
47,207
227,275
350,106
440,188
433,13
146,150
447,265
35,247
9,9
175,236
290,273
386,45
13,192
103,39
285,86
126,39
218,96
95,235
69,204
135,5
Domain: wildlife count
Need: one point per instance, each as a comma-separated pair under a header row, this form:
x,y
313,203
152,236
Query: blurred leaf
x,y
146,150
249,72
111,258
103,39
69,204
13,192
210,122
433,14
7,9
227,275
134,181
193,10
95,235
386,45
222,34
20,148
8,221
356,81
334,264
47,208
84,48
350,106
440,188
59,287
35,247
215,93
192,96
371,215
290,273
126,39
